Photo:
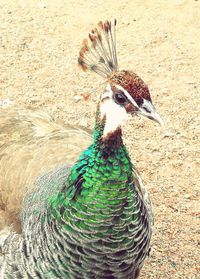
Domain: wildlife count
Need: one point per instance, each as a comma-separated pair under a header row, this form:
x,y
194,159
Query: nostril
x,y
146,109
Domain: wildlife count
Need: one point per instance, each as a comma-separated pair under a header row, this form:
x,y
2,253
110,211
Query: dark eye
x,y
120,99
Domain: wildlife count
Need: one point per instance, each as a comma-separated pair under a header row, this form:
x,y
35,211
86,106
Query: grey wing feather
x,y
34,207
46,185
142,191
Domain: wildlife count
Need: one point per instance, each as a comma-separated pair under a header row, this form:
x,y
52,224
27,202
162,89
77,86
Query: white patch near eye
x,y
115,114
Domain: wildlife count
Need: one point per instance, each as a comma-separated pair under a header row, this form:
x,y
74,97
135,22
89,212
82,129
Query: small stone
x,y
6,103
84,122
41,5
168,134
77,98
187,196
86,96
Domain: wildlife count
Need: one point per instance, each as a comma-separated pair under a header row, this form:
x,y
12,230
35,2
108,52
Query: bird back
x,y
31,144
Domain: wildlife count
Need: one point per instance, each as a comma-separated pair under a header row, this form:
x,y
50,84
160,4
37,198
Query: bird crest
x,y
98,54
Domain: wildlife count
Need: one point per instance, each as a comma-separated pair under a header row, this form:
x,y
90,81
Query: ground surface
x,y
159,40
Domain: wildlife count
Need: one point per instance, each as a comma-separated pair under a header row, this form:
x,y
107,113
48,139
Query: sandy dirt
x,y
159,40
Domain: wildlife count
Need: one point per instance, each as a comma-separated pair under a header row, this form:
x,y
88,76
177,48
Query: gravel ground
x,y
159,40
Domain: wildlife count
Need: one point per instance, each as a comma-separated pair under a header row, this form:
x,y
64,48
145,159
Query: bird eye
x,y
120,99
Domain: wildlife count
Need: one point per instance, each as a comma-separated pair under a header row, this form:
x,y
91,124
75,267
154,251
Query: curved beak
x,y
147,109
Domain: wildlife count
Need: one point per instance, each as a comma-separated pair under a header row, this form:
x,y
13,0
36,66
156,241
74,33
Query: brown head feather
x,y
132,83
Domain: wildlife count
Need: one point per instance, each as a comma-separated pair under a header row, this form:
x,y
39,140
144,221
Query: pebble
x,y
41,5
6,103
168,134
84,122
77,98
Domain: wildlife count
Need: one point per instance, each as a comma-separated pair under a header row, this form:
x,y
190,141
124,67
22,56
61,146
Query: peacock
x,y
92,219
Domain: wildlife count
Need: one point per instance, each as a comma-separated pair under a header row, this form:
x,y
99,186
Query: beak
x,y
147,109
156,117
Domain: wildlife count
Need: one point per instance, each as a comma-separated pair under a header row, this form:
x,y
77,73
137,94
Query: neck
x,y
99,181
109,152
103,139
103,167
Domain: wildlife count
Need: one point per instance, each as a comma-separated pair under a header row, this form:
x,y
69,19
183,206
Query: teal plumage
x,y
91,220
92,223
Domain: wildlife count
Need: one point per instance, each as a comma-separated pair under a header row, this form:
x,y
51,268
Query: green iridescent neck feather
x,y
101,178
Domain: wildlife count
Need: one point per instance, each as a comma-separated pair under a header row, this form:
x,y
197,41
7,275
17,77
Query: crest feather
x,y
99,54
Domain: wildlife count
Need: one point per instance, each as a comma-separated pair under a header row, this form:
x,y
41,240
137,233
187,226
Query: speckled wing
x,y
142,191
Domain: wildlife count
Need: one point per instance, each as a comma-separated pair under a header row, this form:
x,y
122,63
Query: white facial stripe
x,y
115,114
128,96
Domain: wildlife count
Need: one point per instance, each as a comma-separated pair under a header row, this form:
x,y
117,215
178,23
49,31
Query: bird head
x,y
126,94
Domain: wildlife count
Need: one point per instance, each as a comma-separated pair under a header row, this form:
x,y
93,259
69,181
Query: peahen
x,y
94,219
